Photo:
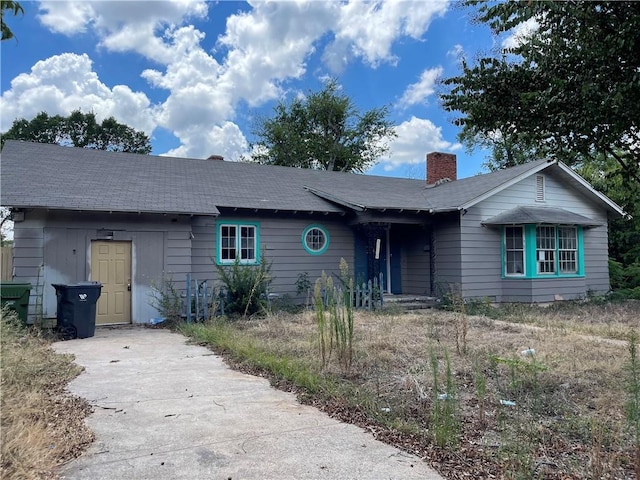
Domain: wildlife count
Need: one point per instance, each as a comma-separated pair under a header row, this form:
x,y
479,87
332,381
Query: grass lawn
x,y
518,392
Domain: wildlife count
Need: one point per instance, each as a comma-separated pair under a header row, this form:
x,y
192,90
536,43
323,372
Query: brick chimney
x,y
215,157
441,166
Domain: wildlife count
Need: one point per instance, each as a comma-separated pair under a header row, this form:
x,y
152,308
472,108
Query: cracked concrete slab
x,y
164,409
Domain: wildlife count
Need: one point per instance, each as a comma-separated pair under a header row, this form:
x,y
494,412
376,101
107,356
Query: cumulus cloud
x,y
416,137
368,29
67,82
133,28
520,33
423,88
226,140
260,50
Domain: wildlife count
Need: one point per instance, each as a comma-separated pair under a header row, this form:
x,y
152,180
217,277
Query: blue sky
x,y
194,75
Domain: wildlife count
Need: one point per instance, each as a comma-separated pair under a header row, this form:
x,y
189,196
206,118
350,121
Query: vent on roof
x,y
215,157
540,194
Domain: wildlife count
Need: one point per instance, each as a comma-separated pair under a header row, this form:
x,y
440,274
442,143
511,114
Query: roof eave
x,y
613,207
110,211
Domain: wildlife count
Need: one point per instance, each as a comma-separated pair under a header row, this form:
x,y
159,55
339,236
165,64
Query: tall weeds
x,y
445,423
336,332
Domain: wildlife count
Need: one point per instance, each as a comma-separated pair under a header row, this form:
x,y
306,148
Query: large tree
x,y
323,131
15,8
80,130
570,90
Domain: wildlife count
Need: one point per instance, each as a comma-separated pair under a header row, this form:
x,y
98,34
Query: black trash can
x,y
77,309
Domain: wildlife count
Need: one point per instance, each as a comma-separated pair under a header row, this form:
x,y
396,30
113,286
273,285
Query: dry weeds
x,y
568,421
42,426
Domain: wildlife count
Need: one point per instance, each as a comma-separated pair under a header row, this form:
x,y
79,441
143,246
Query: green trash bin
x,y
15,295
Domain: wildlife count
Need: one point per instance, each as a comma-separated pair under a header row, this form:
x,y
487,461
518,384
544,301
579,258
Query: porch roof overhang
x,y
537,215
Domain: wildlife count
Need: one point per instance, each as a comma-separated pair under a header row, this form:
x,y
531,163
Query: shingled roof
x,y
35,175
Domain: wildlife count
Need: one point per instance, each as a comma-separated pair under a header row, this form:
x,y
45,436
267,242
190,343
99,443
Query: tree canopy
x,y
80,130
323,131
569,90
13,7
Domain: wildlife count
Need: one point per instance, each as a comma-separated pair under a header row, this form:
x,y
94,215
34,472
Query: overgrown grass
x,y
42,426
568,414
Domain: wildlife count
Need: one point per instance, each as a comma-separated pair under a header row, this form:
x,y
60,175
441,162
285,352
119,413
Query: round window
x,y
315,239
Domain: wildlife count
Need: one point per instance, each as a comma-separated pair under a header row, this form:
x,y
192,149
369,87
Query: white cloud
x,y
457,51
123,26
520,33
419,91
66,17
416,137
368,29
226,140
259,51
66,82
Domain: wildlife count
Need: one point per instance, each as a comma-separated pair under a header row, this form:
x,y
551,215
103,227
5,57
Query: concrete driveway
x,y
167,410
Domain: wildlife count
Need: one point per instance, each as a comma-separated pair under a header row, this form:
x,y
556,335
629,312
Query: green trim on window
x,y
530,252
530,249
580,272
307,248
503,253
237,224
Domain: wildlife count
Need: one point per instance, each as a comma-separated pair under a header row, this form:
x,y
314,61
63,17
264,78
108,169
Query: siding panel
x,y
281,245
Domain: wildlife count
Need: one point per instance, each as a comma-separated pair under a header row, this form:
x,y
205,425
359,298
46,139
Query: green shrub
x,y
246,287
616,274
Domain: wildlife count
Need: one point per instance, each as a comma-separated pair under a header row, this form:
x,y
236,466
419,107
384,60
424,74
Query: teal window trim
x,y
238,241
525,267
580,271
305,244
530,246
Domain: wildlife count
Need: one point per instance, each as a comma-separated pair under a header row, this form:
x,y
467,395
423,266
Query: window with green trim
x,y
514,250
315,239
542,251
238,241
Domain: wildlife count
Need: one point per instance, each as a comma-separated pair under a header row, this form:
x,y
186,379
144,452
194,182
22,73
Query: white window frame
x,y
310,248
522,250
567,250
242,242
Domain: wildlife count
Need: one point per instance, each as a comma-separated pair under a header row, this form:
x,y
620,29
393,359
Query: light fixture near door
x,y
105,234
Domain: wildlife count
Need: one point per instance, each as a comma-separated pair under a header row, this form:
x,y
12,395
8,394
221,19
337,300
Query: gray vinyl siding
x,y
281,245
415,261
160,245
446,254
28,246
596,255
203,248
481,252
